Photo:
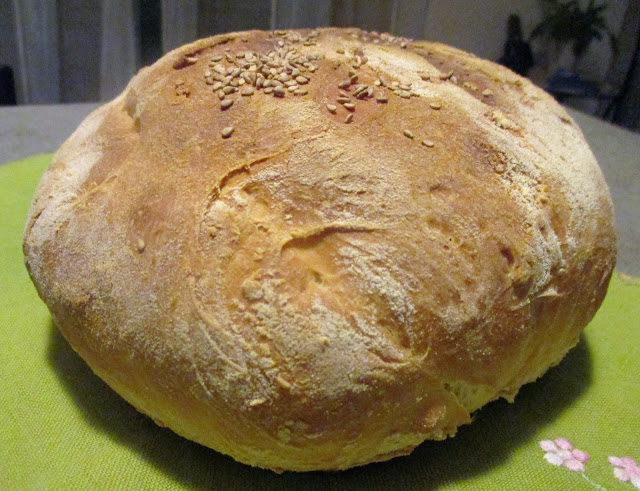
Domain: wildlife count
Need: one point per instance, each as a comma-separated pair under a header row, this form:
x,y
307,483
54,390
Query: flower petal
x,y
636,482
621,474
574,465
628,462
580,455
617,461
548,446
565,454
553,459
564,444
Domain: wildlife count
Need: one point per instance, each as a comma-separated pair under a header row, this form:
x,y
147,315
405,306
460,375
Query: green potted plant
x,y
568,25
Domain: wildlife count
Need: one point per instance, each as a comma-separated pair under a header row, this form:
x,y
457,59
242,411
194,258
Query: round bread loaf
x,y
317,249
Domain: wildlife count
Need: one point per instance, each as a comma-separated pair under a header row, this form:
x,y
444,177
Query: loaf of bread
x,y
316,249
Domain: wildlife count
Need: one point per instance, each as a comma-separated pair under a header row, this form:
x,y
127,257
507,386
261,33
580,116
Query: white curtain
x,y
179,23
38,61
119,50
409,18
287,14
42,78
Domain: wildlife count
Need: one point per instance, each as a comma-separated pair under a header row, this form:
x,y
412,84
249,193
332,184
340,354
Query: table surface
x,y
28,130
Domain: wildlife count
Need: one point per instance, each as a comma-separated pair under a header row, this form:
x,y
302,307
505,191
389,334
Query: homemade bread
x,y
316,249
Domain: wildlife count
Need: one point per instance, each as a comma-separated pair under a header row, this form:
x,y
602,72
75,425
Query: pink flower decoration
x,y
626,469
561,453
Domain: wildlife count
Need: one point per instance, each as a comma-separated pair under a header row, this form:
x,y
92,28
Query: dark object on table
x,y
7,87
564,83
517,52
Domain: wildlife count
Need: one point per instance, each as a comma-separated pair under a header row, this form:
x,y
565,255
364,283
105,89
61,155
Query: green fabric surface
x,y
63,428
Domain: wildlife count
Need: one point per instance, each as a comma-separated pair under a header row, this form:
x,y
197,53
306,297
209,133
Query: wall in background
x,y
478,27
100,44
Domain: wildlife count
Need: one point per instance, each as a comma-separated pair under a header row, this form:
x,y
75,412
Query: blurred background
x,y
585,52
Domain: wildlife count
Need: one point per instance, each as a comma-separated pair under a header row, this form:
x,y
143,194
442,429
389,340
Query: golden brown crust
x,y
304,289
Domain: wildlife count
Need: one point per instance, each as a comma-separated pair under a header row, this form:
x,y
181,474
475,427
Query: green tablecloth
x,y
63,428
